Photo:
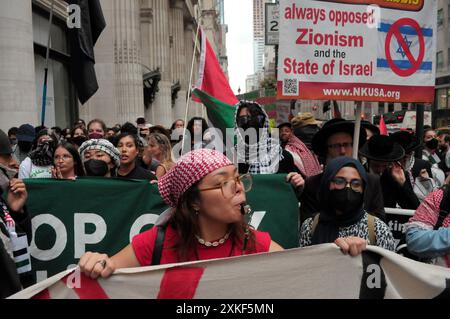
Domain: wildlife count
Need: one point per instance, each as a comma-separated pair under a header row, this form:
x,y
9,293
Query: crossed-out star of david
x,y
400,49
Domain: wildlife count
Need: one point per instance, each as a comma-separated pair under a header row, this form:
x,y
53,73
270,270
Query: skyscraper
x,y
258,35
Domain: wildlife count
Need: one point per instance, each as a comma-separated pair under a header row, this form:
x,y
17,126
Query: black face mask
x,y
78,140
244,122
346,200
96,168
432,144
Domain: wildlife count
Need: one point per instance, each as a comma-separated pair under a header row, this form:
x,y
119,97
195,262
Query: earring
x,y
196,212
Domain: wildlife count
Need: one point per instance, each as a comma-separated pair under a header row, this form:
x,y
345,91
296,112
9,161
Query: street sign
x,y
272,23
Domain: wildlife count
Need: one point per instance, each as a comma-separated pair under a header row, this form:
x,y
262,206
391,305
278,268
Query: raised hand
x,y
398,174
17,195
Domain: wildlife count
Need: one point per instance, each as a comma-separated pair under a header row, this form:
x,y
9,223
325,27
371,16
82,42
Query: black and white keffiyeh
x,y
264,156
101,145
42,155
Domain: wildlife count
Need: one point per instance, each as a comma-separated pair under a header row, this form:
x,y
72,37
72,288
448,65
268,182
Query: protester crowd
x,y
342,200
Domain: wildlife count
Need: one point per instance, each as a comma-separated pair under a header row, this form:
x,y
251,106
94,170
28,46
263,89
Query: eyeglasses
x,y
64,158
338,146
229,187
341,183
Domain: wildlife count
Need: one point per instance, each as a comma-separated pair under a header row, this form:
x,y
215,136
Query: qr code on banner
x,y
290,87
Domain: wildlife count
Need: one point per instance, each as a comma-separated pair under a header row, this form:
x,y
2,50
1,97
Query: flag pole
x,y
190,82
47,54
356,134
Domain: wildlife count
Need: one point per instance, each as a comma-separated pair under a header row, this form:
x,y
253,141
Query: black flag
x,y
82,41
326,106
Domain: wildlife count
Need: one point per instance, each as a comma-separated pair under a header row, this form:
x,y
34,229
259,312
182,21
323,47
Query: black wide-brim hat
x,y
319,141
408,140
382,148
373,128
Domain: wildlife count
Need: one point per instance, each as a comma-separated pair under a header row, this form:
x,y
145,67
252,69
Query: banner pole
x,y
190,83
47,55
419,127
358,113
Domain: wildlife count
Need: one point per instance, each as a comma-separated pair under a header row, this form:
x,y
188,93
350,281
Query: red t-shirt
x,y
144,243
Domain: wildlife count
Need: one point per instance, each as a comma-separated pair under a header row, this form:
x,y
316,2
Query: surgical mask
x,y
432,144
96,168
78,140
346,200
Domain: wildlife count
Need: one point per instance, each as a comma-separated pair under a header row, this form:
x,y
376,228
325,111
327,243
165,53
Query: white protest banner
x,y
357,51
321,271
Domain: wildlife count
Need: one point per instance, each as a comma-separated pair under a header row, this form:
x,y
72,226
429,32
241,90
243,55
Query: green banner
x,y
102,215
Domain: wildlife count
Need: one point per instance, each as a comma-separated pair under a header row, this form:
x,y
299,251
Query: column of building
x,y
157,55
127,57
118,66
147,47
177,57
17,76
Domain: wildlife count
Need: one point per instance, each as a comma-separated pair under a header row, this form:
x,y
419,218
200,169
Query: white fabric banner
x,y
320,271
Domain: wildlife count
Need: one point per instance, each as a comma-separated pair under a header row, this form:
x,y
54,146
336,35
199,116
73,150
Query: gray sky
x,y
239,17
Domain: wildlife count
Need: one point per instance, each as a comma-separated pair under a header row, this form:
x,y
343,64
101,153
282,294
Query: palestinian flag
x,y
213,90
211,78
220,114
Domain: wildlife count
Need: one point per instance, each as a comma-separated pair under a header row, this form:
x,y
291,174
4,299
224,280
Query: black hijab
x,y
327,229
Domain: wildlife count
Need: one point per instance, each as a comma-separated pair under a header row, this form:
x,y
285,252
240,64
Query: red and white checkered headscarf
x,y
188,170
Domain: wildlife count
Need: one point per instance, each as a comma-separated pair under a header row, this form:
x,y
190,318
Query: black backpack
x,y
444,210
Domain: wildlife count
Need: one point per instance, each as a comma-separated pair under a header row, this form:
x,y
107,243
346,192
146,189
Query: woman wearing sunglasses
x,y
342,218
207,197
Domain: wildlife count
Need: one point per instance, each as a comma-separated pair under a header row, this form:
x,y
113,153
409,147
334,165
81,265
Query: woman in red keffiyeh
x,y
206,219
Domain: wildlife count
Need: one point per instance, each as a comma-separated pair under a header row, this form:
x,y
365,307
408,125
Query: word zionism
x,y
307,36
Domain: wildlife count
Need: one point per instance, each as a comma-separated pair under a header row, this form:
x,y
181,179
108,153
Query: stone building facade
x,y
143,61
